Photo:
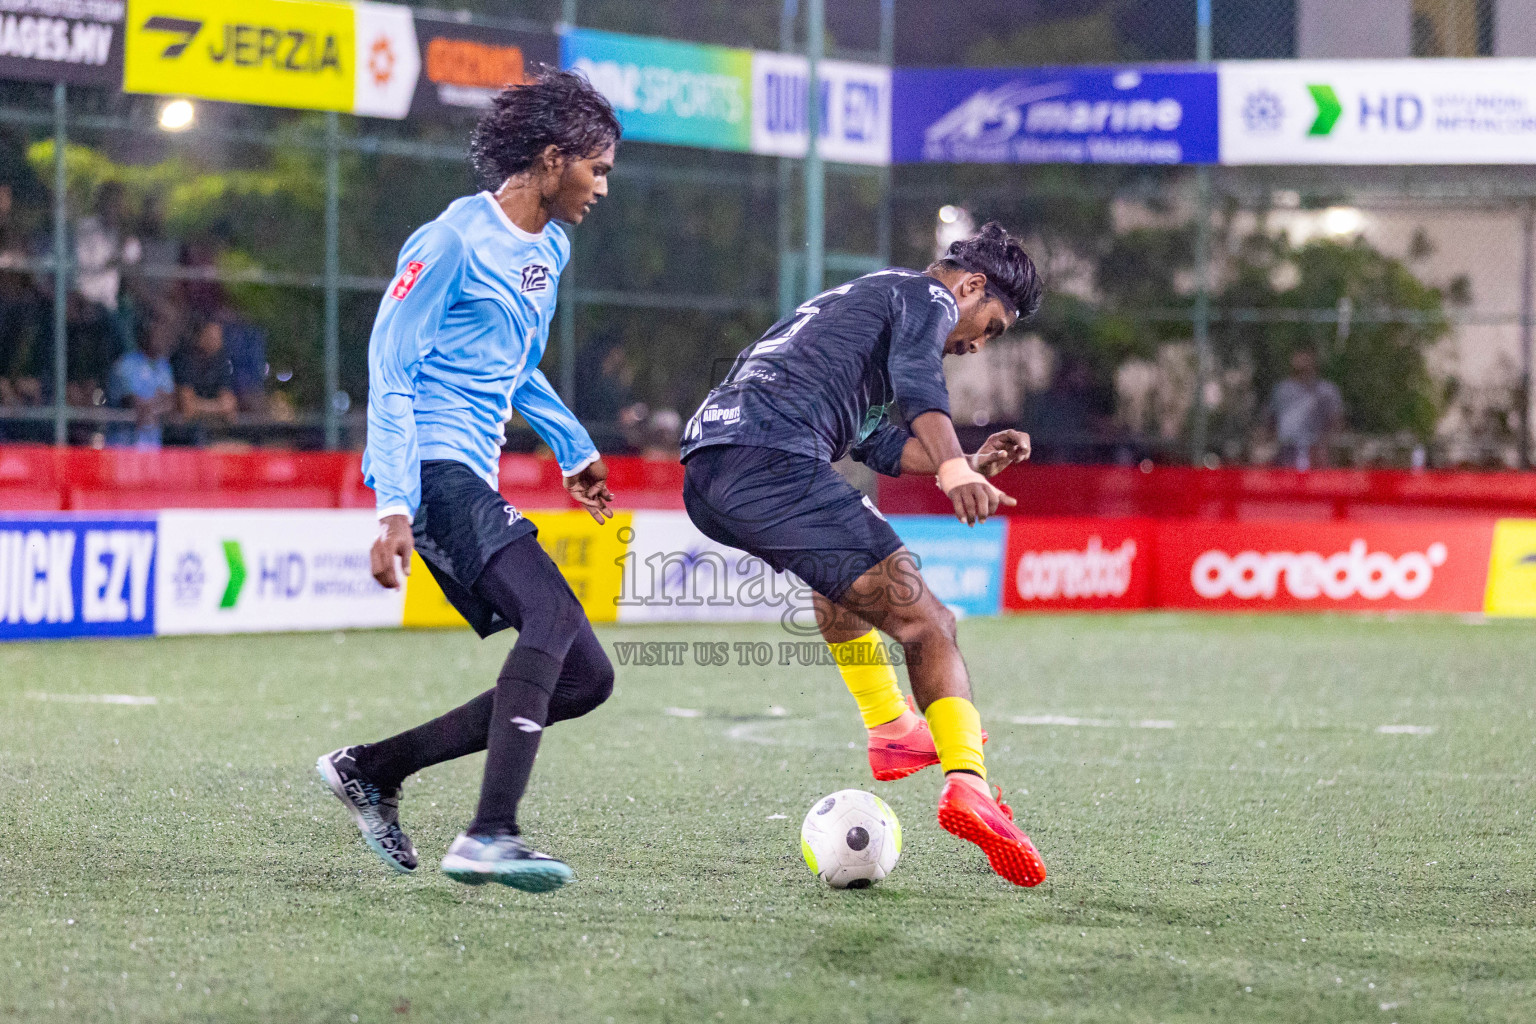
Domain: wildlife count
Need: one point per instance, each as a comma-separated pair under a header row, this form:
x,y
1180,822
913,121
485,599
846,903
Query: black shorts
x,y
794,512
461,525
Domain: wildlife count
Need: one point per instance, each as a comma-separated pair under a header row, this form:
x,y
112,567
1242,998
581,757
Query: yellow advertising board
x,y
1512,569
587,554
307,54
283,53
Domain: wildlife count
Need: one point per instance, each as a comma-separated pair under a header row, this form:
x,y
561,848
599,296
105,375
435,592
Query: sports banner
x,y
1078,565
1123,115
1378,112
962,565
65,575
463,67
685,94
245,572
1333,566
78,42
358,58
854,108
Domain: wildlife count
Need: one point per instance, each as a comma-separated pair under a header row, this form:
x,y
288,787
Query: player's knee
x,y
925,625
556,618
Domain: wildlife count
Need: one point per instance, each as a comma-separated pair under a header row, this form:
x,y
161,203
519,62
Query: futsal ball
x,y
851,839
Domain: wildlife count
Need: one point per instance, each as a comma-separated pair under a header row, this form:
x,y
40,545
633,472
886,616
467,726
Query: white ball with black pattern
x,y
851,839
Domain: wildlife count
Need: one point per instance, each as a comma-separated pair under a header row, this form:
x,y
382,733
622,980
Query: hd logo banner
x,y
1378,112
353,58
230,571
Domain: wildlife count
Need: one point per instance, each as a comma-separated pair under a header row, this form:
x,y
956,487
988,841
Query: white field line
x,y
94,698
1405,730
683,712
1092,723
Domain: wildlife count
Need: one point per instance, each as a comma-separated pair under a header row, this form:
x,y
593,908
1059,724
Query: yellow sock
x,y
870,678
956,729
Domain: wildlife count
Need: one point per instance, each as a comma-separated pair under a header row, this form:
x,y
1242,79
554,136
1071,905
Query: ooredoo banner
x,y
1431,567
1078,564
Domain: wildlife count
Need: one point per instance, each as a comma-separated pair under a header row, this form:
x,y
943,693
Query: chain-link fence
x,y
1407,287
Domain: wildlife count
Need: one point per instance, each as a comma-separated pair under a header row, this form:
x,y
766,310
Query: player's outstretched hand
x,y
590,490
975,502
392,551
1003,449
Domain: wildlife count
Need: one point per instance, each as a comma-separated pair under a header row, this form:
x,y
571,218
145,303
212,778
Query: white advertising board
x,y
232,571
673,573
1479,111
855,108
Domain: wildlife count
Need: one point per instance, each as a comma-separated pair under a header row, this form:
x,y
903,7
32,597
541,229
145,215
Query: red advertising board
x,y
1311,567
1077,564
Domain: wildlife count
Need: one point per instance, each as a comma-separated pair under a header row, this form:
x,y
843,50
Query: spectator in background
x,y
21,312
605,400
142,381
103,329
205,379
1305,412
1069,422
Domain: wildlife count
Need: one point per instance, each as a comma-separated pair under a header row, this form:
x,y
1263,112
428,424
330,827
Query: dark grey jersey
x,y
822,382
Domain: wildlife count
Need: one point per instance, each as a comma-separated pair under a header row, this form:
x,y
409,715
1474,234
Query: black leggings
x,y
526,587
556,671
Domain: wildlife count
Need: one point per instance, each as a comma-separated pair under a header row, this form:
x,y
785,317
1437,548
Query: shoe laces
x,y
998,797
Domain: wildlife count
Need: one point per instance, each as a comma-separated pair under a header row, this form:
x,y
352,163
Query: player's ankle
x,y
970,780
896,727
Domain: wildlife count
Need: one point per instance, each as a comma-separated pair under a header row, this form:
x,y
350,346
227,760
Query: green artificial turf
x,y
1271,856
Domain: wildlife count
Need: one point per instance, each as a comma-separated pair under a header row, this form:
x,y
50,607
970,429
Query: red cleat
x,y
892,758
967,811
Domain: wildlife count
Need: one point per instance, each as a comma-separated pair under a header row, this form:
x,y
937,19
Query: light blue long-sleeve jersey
x,y
456,348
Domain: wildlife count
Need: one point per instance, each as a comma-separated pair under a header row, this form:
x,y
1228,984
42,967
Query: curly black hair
x,y
552,108
994,252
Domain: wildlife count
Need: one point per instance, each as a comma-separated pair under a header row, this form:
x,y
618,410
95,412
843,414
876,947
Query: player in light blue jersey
x,y
455,350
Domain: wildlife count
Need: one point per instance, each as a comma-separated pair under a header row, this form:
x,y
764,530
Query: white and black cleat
x,y
376,812
504,858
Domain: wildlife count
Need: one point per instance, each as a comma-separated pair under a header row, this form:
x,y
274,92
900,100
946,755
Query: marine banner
x,y
1105,115
359,58
77,42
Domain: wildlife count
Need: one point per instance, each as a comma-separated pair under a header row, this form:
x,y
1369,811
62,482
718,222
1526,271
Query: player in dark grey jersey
x,y
821,385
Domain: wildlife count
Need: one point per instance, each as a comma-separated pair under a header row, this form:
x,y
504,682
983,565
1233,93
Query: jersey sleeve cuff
x,y
396,510
578,467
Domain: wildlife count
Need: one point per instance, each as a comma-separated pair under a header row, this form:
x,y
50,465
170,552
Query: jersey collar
x,y
526,236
